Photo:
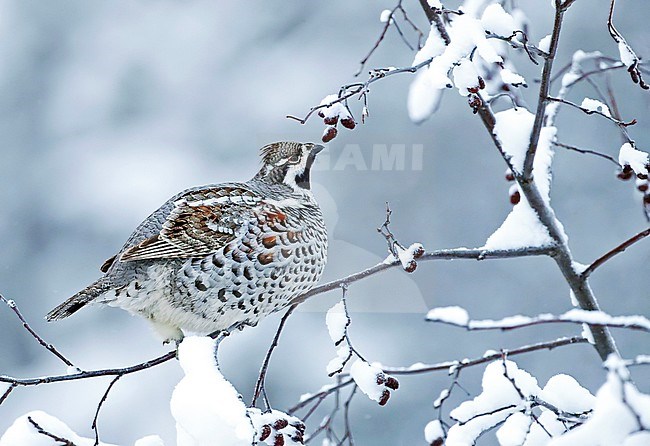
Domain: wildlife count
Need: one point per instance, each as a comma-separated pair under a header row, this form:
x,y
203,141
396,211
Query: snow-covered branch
x,y
448,366
458,317
441,254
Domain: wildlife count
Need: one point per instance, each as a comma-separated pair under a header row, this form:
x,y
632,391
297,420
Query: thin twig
x,y
261,379
25,382
617,250
99,406
586,151
619,123
12,305
6,393
40,430
447,365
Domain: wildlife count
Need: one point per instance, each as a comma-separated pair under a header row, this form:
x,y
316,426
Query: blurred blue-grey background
x,y
109,108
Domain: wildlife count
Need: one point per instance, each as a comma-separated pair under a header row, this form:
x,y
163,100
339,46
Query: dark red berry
x,y
646,199
321,114
642,176
642,187
509,175
278,440
329,134
515,197
348,123
266,431
384,398
481,83
300,426
438,442
418,252
331,120
392,383
626,173
411,265
280,424
381,378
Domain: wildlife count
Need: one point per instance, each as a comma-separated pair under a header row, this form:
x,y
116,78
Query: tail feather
x,y
78,301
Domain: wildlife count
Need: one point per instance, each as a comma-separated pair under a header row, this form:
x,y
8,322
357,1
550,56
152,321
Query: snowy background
x,y
109,108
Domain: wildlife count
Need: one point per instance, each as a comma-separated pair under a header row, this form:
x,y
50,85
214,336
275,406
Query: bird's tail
x,y
78,301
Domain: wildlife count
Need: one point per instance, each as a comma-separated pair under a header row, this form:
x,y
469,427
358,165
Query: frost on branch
x,y
205,405
337,321
499,399
621,414
470,56
32,429
637,160
459,317
509,397
522,227
495,19
423,98
453,315
373,381
433,433
594,105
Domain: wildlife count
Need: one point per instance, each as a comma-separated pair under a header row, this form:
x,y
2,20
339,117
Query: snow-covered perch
x,y
206,406
459,317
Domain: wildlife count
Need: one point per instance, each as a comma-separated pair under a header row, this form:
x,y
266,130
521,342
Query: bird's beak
x,y
316,149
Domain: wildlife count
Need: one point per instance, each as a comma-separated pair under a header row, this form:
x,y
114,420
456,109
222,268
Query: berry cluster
x,y
474,100
390,383
332,114
513,192
278,429
408,256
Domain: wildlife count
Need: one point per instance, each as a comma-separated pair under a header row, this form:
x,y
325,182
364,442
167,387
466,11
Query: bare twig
x,y
12,305
261,379
586,151
6,393
26,382
40,430
391,21
617,250
99,406
347,435
452,365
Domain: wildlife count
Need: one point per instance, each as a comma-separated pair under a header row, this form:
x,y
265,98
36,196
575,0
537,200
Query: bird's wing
x,y
201,222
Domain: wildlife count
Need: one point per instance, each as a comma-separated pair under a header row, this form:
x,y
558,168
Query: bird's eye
x,y
294,159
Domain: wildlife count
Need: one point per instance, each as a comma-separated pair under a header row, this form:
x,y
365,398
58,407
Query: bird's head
x,y
288,163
